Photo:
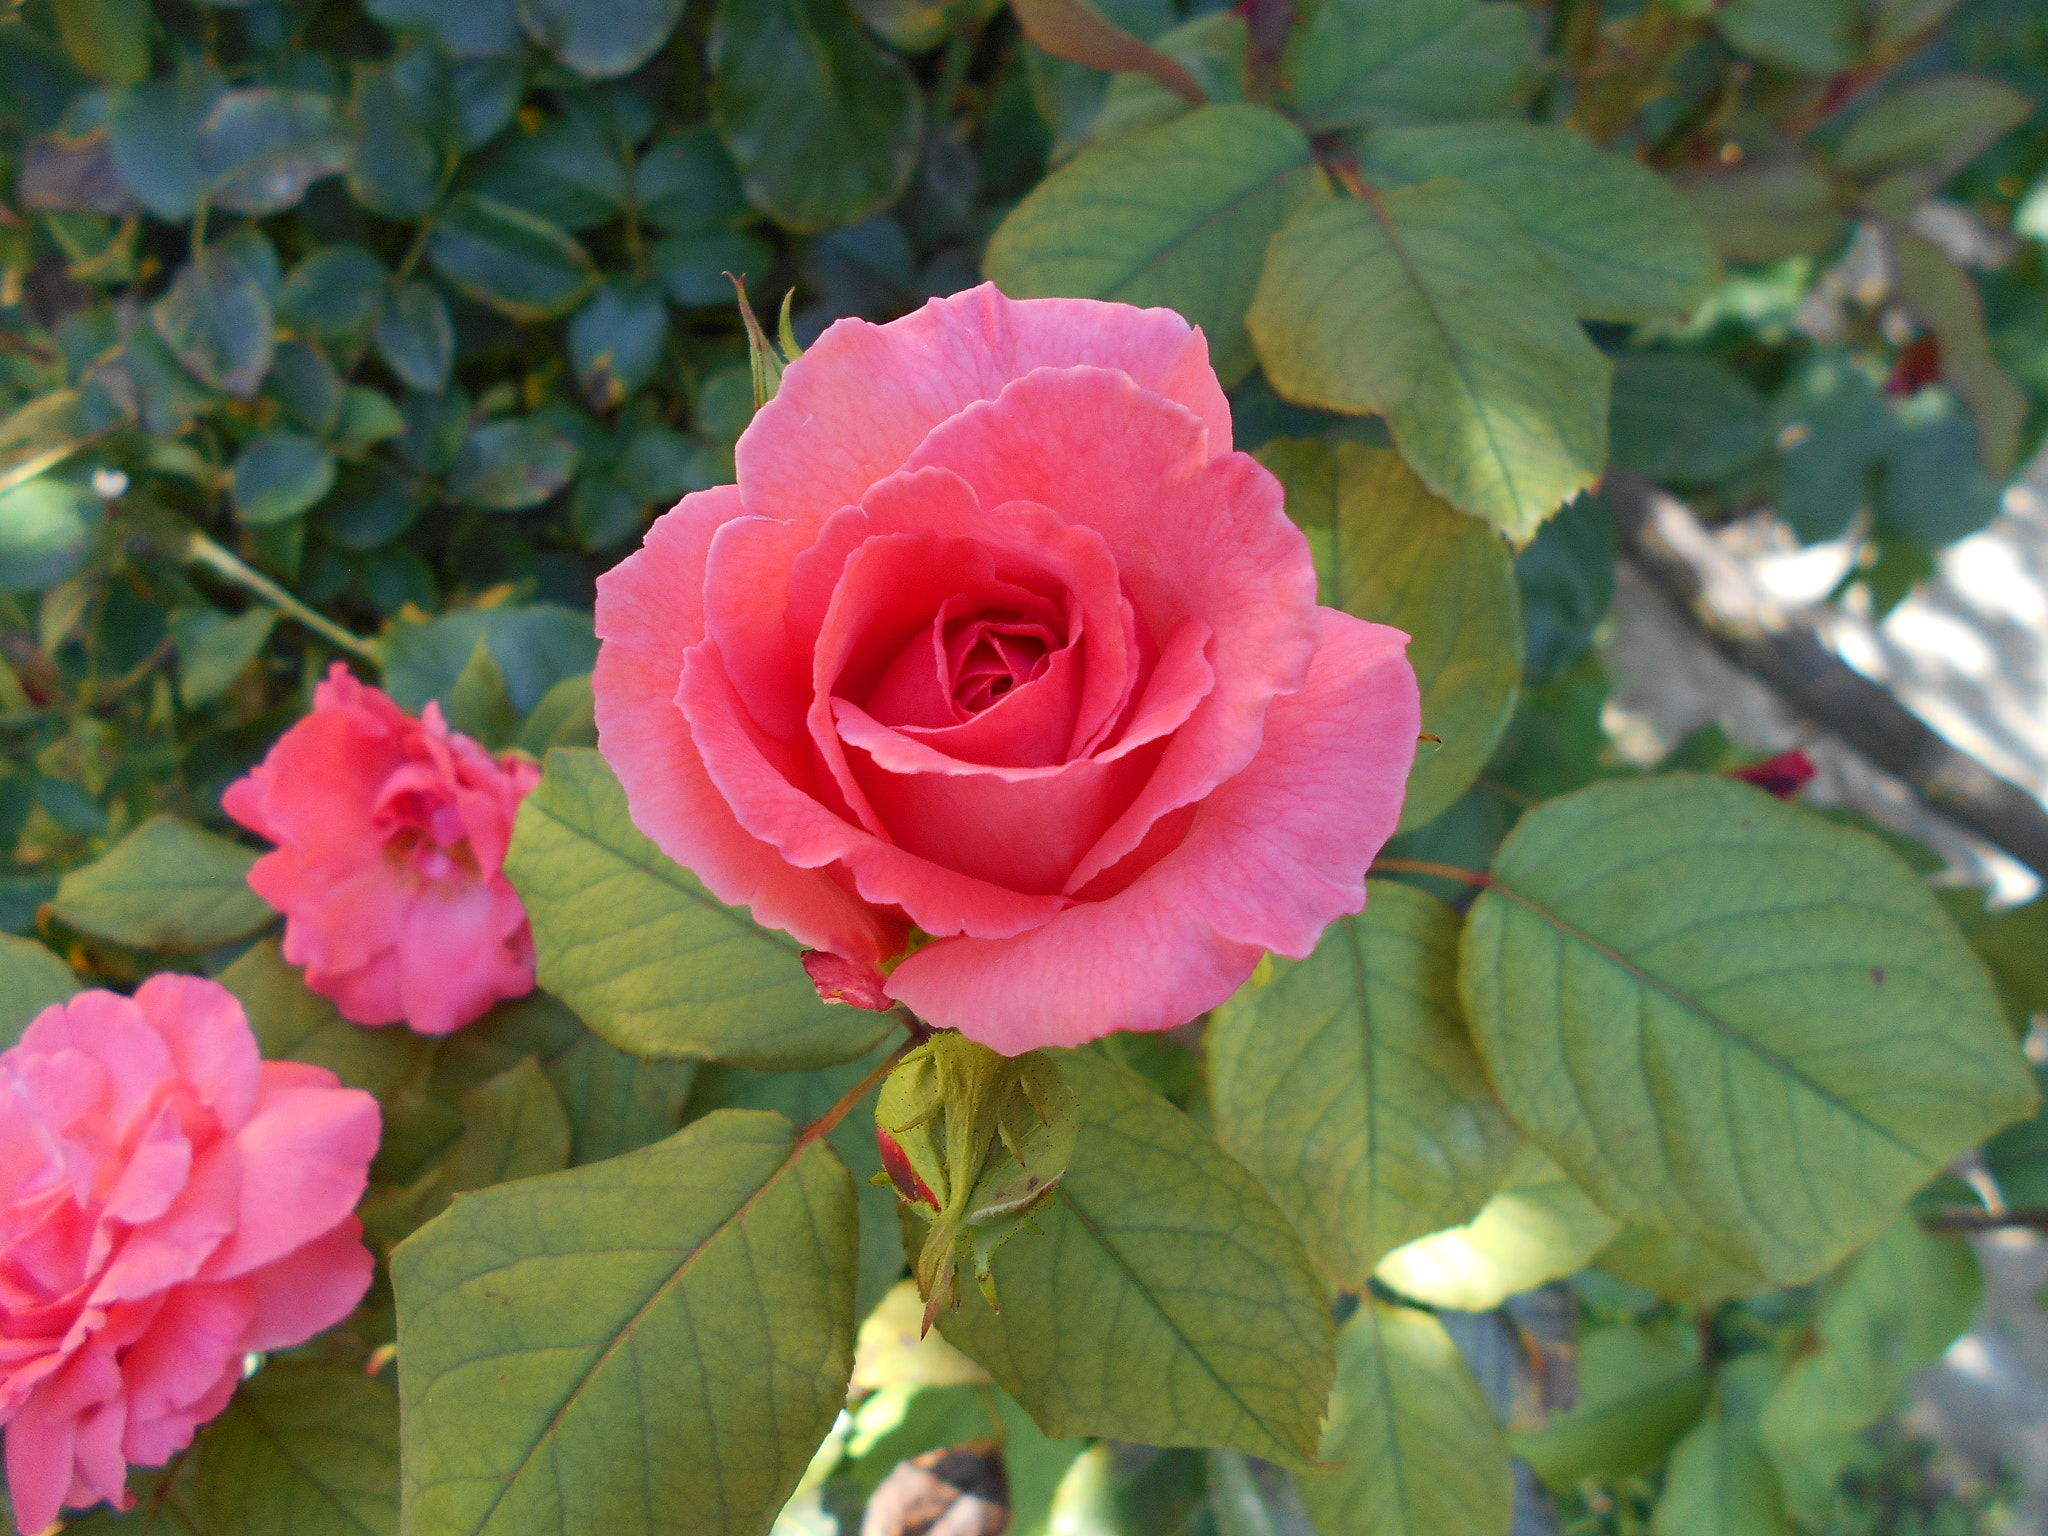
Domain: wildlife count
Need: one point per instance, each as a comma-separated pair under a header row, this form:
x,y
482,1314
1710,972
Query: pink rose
x,y
169,1202
390,868
998,639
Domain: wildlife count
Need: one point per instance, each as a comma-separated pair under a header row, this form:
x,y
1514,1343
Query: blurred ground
x,y
1969,652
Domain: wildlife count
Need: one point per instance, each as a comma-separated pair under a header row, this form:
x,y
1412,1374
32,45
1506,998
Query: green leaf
x,y
279,476
306,384
1416,1449
1428,305
166,885
1684,990
685,183
634,944
567,171
802,1097
537,646
1815,37
479,706
1684,419
416,338
1829,424
511,464
600,38
1388,551
1677,1268
302,1449
1948,302
397,168
465,29
293,1023
1720,1481
789,76
1929,487
1427,61
1639,1392
1211,48
335,292
564,717
1539,1227
616,340
1898,1305
1178,216
106,38
1767,210
513,1127
1566,577
1166,1301
577,1349
1937,124
692,267
259,150
216,319
1627,245
46,529
31,978
367,418
1346,1083
152,131
506,258
213,649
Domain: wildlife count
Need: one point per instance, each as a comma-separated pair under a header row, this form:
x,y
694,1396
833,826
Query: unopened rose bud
x,y
975,1143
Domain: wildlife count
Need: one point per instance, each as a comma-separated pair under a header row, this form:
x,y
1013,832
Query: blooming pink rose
x,y
997,638
390,868
169,1202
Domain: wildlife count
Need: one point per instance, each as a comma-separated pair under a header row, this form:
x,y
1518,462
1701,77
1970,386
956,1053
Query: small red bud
x,y
911,1189
1782,775
857,983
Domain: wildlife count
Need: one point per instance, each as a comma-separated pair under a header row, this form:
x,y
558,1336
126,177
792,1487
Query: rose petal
x,y
861,398
112,1031
211,1044
649,612
467,946
309,1290
1194,536
305,1159
1273,856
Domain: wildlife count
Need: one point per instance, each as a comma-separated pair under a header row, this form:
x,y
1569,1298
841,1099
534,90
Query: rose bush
x,y
997,640
390,864
169,1202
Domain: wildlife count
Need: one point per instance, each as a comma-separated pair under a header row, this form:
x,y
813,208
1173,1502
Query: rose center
x,y
990,656
424,836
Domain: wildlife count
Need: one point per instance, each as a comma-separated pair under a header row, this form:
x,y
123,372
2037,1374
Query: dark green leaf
x,y
509,465
1389,552
1814,36
1682,987
216,319
367,418
1416,1451
302,1449
106,38
616,340
1626,244
537,645
501,256
154,130
258,150
1829,425
166,885
692,267
1428,305
1930,488
479,706
600,38
31,979
1937,124
213,649
305,383
1166,1301
1767,210
578,1348
685,183
636,946
278,476
564,717
397,167
1684,419
1567,580
1947,302
789,76
1178,216
1347,1085
565,172
416,338
46,528
1428,61
465,29
293,1023
335,292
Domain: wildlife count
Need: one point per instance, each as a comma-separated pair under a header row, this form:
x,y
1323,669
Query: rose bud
x,y
389,869
979,1141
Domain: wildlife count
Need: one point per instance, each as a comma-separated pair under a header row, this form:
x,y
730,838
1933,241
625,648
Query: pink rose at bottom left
x,y
169,1203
